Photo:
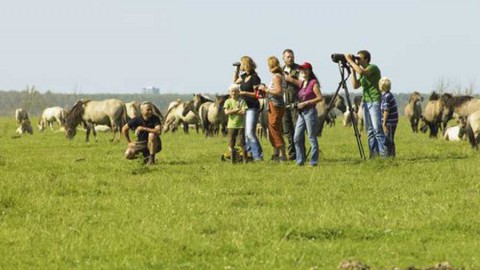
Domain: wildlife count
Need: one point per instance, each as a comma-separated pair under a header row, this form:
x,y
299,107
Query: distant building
x,y
151,90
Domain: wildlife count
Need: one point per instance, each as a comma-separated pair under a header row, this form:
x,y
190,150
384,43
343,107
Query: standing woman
x,y
249,82
308,95
276,108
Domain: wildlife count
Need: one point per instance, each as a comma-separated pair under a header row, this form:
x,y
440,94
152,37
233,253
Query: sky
x,y
188,46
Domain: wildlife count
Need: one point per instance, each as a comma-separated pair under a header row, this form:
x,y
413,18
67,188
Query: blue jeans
x,y
307,119
251,141
373,126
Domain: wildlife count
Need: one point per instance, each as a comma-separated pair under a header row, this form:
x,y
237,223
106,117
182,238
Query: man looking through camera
x,y
369,75
291,99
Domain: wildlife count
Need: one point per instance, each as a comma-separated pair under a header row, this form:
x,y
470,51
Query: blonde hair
x,y
234,87
274,65
248,64
385,84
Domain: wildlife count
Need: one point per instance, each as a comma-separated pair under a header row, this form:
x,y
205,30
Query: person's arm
x,y
318,97
355,82
125,131
384,123
236,77
294,81
156,130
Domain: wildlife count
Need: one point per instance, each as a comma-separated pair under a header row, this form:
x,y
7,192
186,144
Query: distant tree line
x,y
35,102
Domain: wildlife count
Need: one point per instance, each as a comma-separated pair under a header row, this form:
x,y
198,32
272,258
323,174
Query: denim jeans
x,y
373,126
307,119
251,141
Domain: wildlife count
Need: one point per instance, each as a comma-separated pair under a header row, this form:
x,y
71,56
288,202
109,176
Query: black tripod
x,y
342,66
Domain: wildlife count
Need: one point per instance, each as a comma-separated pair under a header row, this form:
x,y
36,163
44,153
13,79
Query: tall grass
x,y
70,204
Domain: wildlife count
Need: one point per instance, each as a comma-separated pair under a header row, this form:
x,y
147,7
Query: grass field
x,y
76,205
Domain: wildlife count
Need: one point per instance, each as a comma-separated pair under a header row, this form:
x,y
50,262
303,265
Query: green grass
x,y
70,204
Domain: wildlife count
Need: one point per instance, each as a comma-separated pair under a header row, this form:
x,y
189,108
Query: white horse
x,y
50,116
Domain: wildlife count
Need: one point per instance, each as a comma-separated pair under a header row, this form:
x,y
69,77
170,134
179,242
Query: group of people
x,y
291,97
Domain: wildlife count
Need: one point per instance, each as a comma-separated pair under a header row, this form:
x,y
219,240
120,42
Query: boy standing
x,y
235,109
389,115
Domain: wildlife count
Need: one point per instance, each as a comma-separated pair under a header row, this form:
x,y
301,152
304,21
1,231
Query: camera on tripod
x,y
340,57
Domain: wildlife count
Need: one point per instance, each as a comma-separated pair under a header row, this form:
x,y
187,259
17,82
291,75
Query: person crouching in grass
x,y
235,109
147,127
389,116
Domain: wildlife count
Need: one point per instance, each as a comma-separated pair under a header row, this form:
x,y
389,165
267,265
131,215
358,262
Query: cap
x,y
306,65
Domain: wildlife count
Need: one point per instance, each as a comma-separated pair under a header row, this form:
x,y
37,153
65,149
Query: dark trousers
x,y
390,141
289,121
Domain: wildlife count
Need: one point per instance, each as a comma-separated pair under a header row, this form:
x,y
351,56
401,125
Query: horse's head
x,y
434,96
187,107
73,119
415,97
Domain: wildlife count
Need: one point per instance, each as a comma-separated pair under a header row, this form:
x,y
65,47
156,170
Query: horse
x,y
180,113
51,115
322,109
198,100
432,115
357,112
473,129
110,112
456,104
413,110
212,115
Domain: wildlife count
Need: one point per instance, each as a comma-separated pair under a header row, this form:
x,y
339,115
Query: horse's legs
x,y
87,132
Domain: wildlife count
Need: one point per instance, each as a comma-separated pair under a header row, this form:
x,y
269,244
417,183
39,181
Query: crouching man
x,y
147,127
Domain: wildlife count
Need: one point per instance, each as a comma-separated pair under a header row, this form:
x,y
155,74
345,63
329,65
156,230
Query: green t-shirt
x,y
371,92
235,120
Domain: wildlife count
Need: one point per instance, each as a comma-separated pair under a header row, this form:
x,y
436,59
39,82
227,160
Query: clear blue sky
x,y
187,46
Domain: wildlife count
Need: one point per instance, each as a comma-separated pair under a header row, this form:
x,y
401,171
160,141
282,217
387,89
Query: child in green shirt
x,y
235,110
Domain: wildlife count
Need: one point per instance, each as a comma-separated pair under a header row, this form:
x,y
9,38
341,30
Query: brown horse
x,y
413,110
180,113
432,115
110,112
212,115
461,105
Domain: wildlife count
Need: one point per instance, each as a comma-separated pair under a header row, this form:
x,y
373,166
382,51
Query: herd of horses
x,y
207,114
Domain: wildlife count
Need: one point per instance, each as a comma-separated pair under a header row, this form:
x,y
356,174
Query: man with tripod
x,y
291,99
369,75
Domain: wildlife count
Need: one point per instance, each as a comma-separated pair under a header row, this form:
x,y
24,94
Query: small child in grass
x,y
235,110
389,115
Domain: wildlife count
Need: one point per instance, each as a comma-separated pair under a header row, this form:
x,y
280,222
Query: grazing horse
x,y
50,116
413,110
198,100
212,115
322,110
432,115
110,112
180,113
25,127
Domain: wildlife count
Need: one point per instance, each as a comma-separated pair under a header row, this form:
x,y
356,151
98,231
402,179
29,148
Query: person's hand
x,y
385,129
288,78
138,129
302,105
262,87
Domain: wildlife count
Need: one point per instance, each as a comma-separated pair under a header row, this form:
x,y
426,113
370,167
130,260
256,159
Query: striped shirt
x,y
389,104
